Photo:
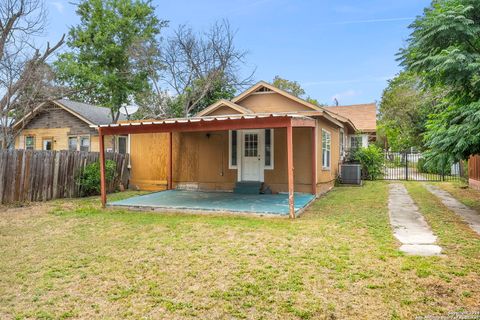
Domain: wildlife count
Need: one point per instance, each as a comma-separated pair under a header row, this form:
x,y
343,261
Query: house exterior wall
x,y
223,110
58,124
200,161
270,103
326,177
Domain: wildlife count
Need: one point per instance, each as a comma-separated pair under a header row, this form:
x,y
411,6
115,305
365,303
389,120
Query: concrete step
x,y
247,187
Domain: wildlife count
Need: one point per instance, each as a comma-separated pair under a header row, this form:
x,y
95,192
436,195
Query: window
x,y
342,143
47,143
326,144
355,142
72,143
30,142
232,149
268,148
84,143
122,144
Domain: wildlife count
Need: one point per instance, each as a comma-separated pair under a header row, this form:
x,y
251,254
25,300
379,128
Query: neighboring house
x,y
65,125
364,117
219,159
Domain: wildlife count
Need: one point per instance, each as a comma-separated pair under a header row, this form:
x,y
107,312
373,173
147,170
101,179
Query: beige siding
x,y
223,110
270,103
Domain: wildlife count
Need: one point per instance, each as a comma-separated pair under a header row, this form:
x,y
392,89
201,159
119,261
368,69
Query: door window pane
x,y
251,145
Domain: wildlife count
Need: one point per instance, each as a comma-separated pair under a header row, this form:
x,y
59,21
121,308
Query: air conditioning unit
x,y
351,173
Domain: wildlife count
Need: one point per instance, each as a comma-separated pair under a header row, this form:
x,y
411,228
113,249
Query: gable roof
x,y
90,114
221,103
284,93
363,116
94,114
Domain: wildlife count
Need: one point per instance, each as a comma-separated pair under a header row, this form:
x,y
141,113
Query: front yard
x,y
70,259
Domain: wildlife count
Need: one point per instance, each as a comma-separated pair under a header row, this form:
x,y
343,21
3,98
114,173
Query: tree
x,y
444,50
107,61
294,88
404,111
25,77
202,68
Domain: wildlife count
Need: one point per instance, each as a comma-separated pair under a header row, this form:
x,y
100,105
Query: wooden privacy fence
x,y
28,175
474,167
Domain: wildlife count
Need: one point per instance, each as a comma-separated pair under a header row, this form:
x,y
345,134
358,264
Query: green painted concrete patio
x,y
273,204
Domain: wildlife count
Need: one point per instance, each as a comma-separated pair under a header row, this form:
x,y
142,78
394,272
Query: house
x,y
364,117
65,125
264,137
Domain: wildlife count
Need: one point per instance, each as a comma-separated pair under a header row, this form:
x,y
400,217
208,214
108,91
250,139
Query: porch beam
x,y
103,184
209,125
170,161
291,199
314,161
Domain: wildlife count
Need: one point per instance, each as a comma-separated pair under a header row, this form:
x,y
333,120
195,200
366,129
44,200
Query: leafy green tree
x,y
444,50
293,87
404,111
106,61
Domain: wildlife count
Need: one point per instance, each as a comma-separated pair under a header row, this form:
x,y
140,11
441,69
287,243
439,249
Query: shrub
x,y
371,160
89,179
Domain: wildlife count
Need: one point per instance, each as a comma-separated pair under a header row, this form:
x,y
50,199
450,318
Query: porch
x,y
201,201
206,135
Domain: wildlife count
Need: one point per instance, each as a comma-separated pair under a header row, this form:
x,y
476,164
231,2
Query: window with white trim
x,y
342,143
269,149
232,149
85,143
72,143
326,149
30,142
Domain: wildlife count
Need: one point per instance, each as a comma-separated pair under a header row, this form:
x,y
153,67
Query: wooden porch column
x,y
170,161
103,185
291,201
314,161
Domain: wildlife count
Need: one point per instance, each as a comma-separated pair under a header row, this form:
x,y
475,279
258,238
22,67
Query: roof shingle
x,y
363,116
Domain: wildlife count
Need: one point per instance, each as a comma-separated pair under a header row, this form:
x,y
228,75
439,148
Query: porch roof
x,y
209,123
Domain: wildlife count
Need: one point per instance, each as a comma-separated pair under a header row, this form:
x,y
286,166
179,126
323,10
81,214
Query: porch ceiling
x,y
217,123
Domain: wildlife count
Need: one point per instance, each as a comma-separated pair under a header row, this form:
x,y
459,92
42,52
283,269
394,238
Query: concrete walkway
x,y
409,226
469,215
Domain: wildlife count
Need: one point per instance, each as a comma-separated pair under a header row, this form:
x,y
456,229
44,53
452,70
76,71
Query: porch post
x,y
103,187
314,161
291,202
170,161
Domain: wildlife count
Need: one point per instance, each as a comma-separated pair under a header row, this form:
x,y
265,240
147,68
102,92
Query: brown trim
x,y
291,198
223,103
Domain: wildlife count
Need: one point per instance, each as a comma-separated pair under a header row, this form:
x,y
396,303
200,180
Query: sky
x,y
343,49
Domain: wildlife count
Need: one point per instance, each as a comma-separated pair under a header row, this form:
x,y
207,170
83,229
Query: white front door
x,y
252,167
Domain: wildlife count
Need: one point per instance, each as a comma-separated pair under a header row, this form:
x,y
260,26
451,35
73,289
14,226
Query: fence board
x,y
27,175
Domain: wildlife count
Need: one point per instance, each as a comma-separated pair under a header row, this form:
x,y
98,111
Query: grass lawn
x,y
70,259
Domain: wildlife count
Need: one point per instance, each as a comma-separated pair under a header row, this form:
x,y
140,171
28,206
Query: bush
x,y
371,160
89,179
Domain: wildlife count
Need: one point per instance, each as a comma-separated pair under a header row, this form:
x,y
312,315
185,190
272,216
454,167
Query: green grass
x,y
71,259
